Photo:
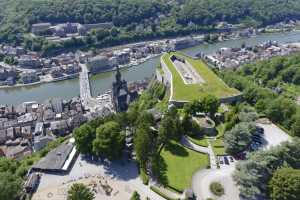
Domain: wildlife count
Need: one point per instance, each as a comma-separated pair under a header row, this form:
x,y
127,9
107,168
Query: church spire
x,y
118,75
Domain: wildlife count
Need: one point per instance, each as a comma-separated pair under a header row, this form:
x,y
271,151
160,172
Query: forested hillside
x,y
273,87
145,18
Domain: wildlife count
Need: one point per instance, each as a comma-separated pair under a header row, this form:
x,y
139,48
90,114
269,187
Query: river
x,y
101,82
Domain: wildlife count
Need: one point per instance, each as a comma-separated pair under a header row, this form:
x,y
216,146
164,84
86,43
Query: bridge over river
x,y
88,101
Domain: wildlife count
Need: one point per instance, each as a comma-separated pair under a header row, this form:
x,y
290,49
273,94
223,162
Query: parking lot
x,y
225,161
273,135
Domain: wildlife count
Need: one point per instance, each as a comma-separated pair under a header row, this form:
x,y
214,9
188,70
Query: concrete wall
x,y
232,99
159,76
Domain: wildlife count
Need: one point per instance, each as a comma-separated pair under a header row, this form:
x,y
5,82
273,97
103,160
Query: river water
x,y
101,82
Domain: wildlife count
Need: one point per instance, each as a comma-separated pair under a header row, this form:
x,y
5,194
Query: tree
x,y
143,145
216,188
79,191
84,136
10,186
285,184
281,110
296,125
8,165
210,104
238,138
192,108
247,114
109,140
170,127
135,196
253,174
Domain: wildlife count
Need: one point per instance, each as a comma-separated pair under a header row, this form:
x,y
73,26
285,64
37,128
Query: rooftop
x,y
55,159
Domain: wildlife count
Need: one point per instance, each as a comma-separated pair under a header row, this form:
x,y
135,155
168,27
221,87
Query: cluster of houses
x,y
30,67
136,53
234,57
30,126
283,26
67,29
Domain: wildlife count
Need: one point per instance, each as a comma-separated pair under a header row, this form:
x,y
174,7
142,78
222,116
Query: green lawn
x,y
202,141
213,84
180,165
218,147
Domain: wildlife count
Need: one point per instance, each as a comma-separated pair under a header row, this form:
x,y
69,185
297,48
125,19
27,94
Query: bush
x,y
216,188
144,176
135,196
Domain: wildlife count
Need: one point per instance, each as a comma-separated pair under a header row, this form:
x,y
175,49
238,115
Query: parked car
x,y
226,160
231,159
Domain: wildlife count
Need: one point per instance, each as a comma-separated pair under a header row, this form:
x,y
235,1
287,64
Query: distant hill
x,y
148,18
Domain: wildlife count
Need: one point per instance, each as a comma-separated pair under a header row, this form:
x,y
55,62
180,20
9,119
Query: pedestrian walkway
x,y
207,150
212,157
187,143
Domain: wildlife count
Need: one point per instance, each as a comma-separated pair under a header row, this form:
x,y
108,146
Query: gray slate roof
x,y
55,159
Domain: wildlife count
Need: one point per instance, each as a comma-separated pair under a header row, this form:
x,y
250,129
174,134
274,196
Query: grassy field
x,y
218,147
213,84
180,165
201,141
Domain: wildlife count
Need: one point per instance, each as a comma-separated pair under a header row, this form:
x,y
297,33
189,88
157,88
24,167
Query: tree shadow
x,y
159,170
176,149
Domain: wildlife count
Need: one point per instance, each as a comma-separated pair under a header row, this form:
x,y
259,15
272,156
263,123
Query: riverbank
x,y
134,62
100,83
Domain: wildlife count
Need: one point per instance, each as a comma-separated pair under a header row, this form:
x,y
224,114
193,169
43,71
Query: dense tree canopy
x,y
84,136
285,184
238,138
10,186
143,144
269,87
137,19
253,174
208,104
109,140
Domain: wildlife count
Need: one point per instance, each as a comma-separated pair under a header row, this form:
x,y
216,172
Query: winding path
x,y
207,150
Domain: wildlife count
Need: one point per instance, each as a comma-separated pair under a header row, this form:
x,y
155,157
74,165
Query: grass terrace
x,y
180,164
213,84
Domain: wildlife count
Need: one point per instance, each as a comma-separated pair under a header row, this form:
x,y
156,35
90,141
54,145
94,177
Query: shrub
x,y
216,188
144,176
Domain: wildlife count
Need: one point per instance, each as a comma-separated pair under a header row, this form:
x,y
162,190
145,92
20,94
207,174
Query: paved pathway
x,y
212,157
202,179
187,143
123,178
207,150
273,135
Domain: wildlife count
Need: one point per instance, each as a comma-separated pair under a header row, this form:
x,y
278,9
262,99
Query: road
x,y
202,179
85,90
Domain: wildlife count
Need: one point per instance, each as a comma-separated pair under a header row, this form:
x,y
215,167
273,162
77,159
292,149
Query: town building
x,y
30,62
59,159
40,27
98,64
29,77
